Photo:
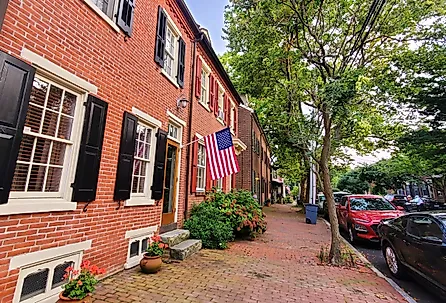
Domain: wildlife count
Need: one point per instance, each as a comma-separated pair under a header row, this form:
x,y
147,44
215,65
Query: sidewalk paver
x,y
279,266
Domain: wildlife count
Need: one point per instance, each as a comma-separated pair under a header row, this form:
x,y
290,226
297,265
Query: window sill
x,y
204,105
102,15
29,206
139,201
132,262
221,121
169,78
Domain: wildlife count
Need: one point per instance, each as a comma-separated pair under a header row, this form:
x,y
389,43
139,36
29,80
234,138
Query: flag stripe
x,y
220,153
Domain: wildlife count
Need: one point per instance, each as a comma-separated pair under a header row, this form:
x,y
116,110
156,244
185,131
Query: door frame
x,y
172,217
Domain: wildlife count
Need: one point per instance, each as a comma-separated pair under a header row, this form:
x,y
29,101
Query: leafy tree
x,y
311,68
352,183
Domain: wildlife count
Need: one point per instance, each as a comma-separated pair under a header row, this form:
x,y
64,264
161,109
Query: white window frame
x,y
201,189
232,115
137,235
219,184
32,202
110,20
149,162
204,99
48,258
141,199
170,24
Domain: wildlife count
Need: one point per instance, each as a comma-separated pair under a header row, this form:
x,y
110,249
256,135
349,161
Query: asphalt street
x,y
415,289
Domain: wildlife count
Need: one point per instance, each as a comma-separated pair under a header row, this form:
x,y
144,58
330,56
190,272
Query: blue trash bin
x,y
311,213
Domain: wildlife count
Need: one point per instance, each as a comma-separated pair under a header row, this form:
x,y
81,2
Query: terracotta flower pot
x,y
63,299
150,265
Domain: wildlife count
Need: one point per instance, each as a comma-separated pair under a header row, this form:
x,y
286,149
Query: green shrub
x,y
242,210
208,224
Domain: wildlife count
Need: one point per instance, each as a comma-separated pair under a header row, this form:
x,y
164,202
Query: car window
x,y
400,223
370,204
424,227
344,201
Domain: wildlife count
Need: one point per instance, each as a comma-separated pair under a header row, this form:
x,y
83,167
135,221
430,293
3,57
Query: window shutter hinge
x,y
85,103
72,185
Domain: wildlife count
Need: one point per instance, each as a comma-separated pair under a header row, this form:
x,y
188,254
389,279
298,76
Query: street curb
x,y
392,283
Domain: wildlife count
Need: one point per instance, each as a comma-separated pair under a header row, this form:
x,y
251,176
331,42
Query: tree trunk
x,y
335,249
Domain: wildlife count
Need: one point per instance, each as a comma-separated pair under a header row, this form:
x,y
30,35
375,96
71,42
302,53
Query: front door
x,y
170,183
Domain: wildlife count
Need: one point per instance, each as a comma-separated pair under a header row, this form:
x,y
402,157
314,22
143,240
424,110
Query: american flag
x,y
220,154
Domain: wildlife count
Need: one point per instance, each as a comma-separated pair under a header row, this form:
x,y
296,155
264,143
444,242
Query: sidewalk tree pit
x,y
223,217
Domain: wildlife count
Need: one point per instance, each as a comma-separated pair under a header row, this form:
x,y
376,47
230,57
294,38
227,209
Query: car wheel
x,y
392,261
351,234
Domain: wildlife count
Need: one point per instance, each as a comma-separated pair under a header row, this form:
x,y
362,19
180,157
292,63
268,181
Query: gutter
x,y
190,120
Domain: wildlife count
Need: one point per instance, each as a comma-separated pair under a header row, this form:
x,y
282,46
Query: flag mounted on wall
x,y
220,154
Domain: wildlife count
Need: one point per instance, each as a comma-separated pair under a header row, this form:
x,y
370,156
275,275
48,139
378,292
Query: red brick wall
x,y
205,122
71,35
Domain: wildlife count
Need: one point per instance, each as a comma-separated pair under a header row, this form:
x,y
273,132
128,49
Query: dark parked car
x,y
430,204
416,244
401,200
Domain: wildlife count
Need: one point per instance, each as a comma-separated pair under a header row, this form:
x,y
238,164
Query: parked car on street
x,y
401,200
416,244
430,204
360,215
337,197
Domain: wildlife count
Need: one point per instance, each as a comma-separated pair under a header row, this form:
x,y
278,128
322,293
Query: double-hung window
x,y
46,150
142,160
221,103
201,168
118,14
204,87
169,54
108,7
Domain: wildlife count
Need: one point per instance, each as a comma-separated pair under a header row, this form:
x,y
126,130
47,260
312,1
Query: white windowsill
x,y
221,121
28,206
200,190
141,232
205,106
139,201
170,78
102,15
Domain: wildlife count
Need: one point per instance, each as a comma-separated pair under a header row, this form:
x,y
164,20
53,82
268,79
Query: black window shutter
x,y
160,162
125,15
160,37
181,62
126,156
88,163
16,80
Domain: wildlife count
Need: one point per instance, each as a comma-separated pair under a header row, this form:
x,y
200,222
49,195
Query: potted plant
x,y
151,261
81,283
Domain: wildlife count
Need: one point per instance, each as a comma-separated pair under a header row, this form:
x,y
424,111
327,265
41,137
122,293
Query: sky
x,y
209,14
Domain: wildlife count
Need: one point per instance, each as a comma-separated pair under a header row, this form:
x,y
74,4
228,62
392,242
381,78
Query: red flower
x,y
94,269
156,238
79,283
101,271
68,269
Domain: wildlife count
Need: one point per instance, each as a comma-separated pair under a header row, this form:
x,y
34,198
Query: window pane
x,y
36,178
20,176
58,153
34,284
59,272
69,104
135,185
54,98
50,123
134,248
38,92
65,127
53,179
26,147
42,151
144,245
33,118
142,181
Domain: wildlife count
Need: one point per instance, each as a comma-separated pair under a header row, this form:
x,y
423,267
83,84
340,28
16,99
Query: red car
x,y
360,215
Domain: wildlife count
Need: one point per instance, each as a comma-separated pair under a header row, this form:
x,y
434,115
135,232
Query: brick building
x,y
97,99
255,161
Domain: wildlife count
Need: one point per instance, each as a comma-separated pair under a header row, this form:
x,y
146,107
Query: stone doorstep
x,y
185,249
175,237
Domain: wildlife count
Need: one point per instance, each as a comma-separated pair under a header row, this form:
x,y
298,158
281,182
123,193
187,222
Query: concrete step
x,y
185,249
175,237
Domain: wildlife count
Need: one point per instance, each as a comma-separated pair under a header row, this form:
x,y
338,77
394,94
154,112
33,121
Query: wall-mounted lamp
x,y
182,102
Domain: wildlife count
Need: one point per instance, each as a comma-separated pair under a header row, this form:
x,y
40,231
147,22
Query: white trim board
x,y
149,119
175,118
47,254
140,232
59,72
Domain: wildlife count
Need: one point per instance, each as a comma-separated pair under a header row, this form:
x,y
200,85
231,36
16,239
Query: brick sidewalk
x,y
280,266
